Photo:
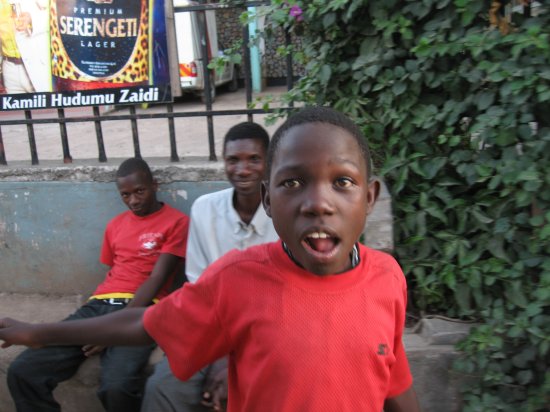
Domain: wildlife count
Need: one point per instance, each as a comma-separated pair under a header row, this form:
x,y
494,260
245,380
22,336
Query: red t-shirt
x,y
296,341
132,245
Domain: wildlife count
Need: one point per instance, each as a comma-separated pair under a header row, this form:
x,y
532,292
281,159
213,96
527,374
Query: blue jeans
x,y
35,373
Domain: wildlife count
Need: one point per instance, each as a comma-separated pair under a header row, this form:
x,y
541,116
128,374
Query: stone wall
x,y
274,66
229,27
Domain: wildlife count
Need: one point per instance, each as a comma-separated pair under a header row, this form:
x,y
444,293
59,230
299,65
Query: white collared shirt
x,y
216,228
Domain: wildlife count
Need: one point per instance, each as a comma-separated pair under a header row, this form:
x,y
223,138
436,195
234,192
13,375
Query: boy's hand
x,y
91,350
13,332
215,386
23,22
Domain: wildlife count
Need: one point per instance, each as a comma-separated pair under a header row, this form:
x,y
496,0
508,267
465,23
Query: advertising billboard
x,y
65,53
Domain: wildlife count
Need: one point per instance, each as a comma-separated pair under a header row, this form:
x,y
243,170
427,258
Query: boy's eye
x,y
344,182
291,183
140,191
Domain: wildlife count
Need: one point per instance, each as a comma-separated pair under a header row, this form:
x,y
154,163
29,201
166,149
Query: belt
x,y
116,301
14,60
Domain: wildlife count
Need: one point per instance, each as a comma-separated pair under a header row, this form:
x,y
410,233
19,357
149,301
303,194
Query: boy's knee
x,y
20,369
120,395
154,384
120,385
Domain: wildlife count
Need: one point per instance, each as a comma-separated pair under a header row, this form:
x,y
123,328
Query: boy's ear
x,y
373,191
266,201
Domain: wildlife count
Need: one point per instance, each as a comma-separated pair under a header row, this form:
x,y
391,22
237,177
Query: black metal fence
x,y
169,114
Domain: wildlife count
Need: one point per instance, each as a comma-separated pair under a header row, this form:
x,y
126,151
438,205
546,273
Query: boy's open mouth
x,y
321,243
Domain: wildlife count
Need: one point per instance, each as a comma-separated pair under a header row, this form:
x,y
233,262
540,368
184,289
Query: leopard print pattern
x,y
136,70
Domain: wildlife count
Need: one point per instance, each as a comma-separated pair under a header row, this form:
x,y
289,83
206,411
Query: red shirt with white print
x,y
132,244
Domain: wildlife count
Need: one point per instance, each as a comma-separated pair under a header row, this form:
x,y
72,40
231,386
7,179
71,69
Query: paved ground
x,y
191,133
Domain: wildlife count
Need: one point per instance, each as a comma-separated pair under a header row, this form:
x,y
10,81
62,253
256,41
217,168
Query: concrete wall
x,y
51,231
52,220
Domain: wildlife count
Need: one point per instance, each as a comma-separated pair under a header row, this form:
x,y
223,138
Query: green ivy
x,y
459,116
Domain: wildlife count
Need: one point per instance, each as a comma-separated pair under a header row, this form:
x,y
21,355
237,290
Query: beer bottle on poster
x,y
97,44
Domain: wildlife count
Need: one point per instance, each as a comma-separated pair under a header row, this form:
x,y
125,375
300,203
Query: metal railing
x,y
169,114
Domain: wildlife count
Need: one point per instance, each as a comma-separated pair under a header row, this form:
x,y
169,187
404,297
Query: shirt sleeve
x,y
176,238
196,259
401,378
187,328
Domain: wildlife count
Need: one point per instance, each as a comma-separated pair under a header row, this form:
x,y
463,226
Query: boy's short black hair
x,y
320,114
133,165
247,130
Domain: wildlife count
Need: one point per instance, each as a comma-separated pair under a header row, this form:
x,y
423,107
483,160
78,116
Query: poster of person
x,y
24,33
63,53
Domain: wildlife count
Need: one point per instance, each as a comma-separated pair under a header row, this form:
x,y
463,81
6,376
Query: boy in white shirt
x,y
232,218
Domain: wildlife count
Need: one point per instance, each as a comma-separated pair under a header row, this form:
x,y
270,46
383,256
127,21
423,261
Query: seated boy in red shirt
x,y
143,247
313,322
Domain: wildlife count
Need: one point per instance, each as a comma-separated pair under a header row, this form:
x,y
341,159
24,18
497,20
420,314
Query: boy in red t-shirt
x,y
143,247
313,322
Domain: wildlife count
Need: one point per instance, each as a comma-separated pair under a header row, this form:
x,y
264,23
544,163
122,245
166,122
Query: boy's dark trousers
x,y
35,373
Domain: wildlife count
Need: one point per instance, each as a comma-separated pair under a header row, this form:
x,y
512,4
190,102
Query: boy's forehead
x,y
310,138
134,178
244,144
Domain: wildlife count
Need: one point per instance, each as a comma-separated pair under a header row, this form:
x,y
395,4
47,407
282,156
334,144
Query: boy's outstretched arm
x,y
405,402
124,327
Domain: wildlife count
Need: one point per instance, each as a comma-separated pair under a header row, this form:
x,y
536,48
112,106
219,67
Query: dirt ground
x,y
191,132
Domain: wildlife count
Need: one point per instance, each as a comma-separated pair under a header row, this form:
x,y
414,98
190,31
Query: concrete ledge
x,y
439,330
437,386
431,352
195,169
